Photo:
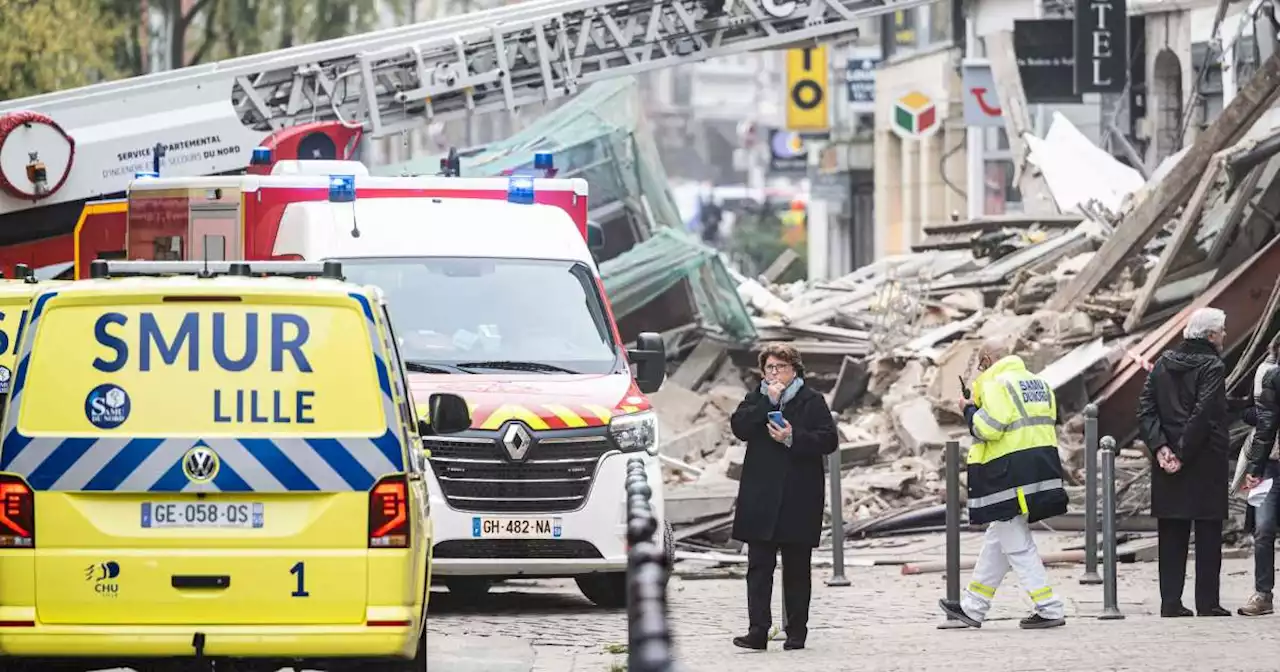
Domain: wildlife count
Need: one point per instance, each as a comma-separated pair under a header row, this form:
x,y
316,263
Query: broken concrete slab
x,y
735,454
693,442
850,385
676,407
726,398
700,365
916,426
856,454
691,503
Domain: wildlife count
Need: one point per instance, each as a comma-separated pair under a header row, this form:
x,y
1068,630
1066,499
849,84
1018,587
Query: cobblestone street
x,y
884,621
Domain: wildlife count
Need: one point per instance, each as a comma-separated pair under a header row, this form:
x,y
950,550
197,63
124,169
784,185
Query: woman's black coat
x,y
1184,406
781,491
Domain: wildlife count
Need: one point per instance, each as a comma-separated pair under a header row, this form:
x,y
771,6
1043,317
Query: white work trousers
x,y
1009,544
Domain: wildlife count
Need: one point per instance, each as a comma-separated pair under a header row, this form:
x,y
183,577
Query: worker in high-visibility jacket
x,y
1015,479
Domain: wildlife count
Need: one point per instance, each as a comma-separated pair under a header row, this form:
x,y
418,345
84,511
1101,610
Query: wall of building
x,y
910,192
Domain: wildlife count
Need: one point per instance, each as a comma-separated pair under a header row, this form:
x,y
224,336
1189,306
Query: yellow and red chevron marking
x,y
541,416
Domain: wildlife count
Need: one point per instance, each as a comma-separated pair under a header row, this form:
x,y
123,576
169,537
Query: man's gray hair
x,y
1203,322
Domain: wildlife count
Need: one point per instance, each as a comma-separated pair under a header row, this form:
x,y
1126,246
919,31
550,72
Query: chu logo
x,y
104,576
107,406
5,375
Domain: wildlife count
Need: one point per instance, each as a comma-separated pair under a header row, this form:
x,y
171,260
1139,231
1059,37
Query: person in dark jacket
x,y
1182,417
780,491
1262,464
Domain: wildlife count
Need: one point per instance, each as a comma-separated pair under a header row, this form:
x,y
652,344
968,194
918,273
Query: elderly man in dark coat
x,y
789,431
1182,418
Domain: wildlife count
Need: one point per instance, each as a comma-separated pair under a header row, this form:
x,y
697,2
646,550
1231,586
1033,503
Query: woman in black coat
x,y
1182,417
780,491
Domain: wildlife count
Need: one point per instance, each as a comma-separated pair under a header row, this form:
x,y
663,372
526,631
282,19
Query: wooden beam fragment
x,y
1187,223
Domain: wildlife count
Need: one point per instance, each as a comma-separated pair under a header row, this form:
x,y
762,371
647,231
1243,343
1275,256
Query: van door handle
x,y
205,581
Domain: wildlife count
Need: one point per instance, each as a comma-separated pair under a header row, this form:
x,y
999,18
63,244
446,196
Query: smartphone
x,y
776,418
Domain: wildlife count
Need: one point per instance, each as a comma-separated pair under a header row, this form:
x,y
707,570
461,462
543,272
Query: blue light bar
x,y
342,188
145,173
520,189
261,156
543,161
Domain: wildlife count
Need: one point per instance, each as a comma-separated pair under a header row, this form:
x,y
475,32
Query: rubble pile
x,y
1088,301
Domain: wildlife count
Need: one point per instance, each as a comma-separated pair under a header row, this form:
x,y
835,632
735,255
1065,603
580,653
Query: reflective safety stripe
x,y
1017,399
246,464
1041,595
985,591
1023,421
1022,501
1018,493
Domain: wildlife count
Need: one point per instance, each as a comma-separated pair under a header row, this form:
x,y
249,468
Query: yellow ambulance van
x,y
212,462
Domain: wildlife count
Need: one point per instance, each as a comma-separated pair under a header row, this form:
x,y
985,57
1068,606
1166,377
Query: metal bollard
x,y
953,528
1091,496
1110,607
837,525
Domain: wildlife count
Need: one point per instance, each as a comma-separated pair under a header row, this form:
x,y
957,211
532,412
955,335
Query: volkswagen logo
x,y
517,441
200,464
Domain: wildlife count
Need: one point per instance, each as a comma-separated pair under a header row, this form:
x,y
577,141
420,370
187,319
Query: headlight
x,y
635,432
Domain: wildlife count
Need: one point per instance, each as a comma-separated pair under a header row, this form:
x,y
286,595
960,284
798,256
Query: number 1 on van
x,y
300,570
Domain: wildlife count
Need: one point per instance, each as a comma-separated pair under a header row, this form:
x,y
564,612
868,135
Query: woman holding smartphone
x,y
789,432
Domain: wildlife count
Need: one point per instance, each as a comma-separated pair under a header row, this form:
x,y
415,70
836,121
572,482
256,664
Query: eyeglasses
x,y
776,368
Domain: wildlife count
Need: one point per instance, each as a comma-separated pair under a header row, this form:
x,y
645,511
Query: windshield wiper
x,y
418,366
511,365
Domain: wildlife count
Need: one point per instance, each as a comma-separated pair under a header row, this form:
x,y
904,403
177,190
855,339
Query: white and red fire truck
x,y
66,158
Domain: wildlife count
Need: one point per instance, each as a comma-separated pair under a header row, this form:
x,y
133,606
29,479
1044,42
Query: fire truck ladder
x,y
393,80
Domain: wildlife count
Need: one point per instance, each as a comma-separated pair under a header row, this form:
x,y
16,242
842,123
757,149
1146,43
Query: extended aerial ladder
x,y
86,143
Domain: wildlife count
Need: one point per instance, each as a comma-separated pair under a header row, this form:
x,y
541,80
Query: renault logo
x,y
517,441
200,464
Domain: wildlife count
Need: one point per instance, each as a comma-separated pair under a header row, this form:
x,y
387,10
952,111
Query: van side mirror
x,y
449,414
595,236
650,361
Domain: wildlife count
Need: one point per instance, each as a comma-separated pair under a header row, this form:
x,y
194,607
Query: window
x,y
1210,102
403,399
939,22
473,315
909,30
1000,194
166,248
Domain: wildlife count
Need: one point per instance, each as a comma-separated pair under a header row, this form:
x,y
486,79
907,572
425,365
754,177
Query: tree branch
x,y
210,35
184,20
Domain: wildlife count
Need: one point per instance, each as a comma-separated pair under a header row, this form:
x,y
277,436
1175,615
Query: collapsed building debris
x,y
890,342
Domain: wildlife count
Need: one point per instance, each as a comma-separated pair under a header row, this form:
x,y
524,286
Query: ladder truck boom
x,y
90,142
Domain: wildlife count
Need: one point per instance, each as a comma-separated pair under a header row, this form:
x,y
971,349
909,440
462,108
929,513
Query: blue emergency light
x,y
145,173
342,188
543,161
261,156
520,189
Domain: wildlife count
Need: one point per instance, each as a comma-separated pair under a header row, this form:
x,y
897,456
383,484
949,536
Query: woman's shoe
x,y
754,640
1175,611
1213,611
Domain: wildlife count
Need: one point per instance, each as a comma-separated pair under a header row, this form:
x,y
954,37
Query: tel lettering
x,y
288,334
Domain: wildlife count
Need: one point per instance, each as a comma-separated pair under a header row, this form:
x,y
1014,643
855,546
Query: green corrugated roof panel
x,y
603,137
